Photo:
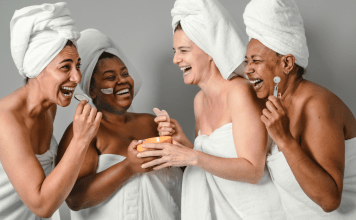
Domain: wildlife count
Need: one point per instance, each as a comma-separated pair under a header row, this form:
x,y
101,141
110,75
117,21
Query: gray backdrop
x,y
143,30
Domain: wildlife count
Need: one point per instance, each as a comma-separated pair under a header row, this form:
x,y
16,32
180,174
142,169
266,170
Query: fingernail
x,y
140,141
138,155
143,166
279,95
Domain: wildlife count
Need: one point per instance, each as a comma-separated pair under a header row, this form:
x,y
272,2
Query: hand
x,y
276,121
171,155
86,122
171,128
134,163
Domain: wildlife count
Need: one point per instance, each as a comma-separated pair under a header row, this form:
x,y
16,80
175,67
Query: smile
x,y
67,91
257,83
123,91
186,69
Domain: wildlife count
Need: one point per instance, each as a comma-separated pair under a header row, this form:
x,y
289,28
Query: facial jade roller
x,y
276,80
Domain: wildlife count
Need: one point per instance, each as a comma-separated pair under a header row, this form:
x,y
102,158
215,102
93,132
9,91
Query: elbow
x,y
73,204
255,177
44,211
331,204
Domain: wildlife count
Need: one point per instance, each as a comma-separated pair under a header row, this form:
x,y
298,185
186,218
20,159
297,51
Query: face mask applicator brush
x,y
276,80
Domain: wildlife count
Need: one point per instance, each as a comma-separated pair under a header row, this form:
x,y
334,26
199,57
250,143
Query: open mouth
x,y
257,83
123,91
67,91
186,69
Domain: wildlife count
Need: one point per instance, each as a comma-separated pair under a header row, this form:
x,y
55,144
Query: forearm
x,y
316,183
236,169
96,188
57,185
186,142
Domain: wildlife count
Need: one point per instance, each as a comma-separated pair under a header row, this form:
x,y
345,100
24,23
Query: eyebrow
x,y
256,55
112,71
69,60
182,47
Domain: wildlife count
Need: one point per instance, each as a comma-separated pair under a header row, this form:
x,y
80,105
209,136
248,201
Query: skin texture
x,y
27,117
117,135
308,123
218,103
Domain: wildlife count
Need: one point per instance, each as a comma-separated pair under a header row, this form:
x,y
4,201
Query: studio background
x,y
143,30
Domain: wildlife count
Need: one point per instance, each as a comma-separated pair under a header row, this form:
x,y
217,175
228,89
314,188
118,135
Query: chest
x,y
115,140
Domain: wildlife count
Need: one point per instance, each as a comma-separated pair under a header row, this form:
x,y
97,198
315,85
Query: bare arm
x,y
43,195
318,163
93,188
250,144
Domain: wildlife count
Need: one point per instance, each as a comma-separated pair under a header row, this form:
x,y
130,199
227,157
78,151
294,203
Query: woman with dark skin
x,y
29,188
116,138
315,133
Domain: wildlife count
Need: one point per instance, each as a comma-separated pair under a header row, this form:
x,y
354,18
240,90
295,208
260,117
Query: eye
x,y
125,74
246,61
256,61
111,77
79,65
65,67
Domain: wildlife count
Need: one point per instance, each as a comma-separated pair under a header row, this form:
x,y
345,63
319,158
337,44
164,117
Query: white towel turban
x,y
38,34
278,25
92,44
210,27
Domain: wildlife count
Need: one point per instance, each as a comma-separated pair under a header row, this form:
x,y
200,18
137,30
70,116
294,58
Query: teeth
x,y
68,88
255,81
183,68
122,91
69,94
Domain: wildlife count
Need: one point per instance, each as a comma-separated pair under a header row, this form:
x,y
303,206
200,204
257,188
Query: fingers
x,y
98,117
162,166
159,119
80,107
276,102
151,153
134,144
166,133
158,146
153,163
267,113
92,114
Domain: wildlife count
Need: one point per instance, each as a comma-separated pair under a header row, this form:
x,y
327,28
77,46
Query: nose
x,y
177,58
76,76
248,68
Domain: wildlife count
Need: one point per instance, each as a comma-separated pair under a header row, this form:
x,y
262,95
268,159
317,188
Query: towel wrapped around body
x,y
148,196
38,34
211,28
297,205
208,197
11,205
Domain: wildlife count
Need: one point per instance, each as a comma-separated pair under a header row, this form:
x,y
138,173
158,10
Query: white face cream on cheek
x,y
107,91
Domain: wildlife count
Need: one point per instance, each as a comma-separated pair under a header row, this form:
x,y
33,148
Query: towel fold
x,y
210,27
92,44
38,34
278,25
208,197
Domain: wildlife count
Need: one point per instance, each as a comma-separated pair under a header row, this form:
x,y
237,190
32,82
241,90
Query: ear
x,y
288,62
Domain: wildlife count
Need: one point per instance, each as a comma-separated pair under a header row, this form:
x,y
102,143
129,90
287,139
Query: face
x,y
112,73
59,79
262,65
193,61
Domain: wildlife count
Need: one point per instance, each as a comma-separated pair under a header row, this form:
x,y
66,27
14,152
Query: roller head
x,y
276,79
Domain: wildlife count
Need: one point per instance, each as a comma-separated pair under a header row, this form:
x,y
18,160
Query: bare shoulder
x,y
241,93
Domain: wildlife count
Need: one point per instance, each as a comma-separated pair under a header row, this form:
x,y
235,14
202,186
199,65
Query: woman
x,y
314,159
111,182
43,48
226,176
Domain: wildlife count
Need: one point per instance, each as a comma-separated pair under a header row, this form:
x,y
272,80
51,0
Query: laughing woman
x,y
111,182
43,48
313,162
226,176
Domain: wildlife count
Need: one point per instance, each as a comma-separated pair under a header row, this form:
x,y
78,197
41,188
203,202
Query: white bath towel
x,y
210,27
297,205
91,45
150,196
278,25
11,205
208,197
38,34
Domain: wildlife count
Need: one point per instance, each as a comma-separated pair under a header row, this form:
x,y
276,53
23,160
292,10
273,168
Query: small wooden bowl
x,y
163,139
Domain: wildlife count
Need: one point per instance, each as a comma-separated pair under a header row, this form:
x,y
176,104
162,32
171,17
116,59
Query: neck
x,y
115,117
36,101
292,86
213,85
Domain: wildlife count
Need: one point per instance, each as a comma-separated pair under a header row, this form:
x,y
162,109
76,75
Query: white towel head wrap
x,y
92,44
38,34
278,25
210,27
